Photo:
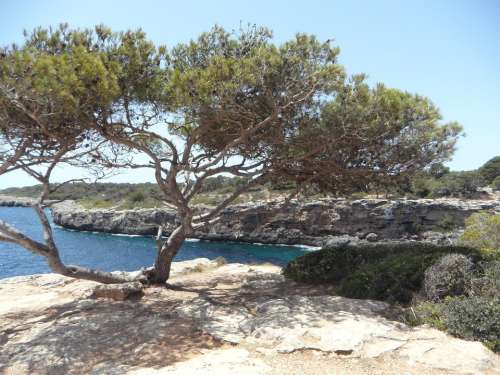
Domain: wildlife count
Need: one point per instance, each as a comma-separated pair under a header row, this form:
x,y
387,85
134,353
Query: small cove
x,y
120,252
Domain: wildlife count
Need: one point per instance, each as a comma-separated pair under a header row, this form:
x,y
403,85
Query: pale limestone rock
x,y
57,329
118,292
451,354
220,362
196,265
38,292
378,346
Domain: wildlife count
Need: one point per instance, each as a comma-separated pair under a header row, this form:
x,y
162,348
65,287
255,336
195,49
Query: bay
x,y
119,252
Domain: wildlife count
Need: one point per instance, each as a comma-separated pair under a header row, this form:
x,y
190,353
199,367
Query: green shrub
x,y
448,276
393,279
95,203
438,170
332,264
471,318
496,184
328,265
447,224
391,272
491,169
458,184
137,196
486,281
426,312
423,184
207,199
474,318
482,231
440,182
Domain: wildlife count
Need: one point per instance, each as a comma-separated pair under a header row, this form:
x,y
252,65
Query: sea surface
x,y
120,252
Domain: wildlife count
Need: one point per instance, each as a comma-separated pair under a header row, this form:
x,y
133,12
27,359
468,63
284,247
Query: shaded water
x,y
119,252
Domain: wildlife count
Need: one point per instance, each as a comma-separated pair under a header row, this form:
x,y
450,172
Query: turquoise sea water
x,y
118,252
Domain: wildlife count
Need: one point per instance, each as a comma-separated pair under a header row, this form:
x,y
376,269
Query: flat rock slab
x,y
39,292
217,362
229,319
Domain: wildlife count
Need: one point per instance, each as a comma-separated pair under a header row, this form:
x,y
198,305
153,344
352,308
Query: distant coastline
x,y
309,224
315,223
10,201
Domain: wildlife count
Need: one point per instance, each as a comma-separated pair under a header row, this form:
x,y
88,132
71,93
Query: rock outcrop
x,y
313,223
118,292
12,201
9,201
217,319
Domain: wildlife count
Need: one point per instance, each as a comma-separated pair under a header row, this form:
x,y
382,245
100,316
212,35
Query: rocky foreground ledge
x,y
312,223
217,319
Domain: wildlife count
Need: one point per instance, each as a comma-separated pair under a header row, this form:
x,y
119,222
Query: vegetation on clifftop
x,y
390,272
435,182
452,288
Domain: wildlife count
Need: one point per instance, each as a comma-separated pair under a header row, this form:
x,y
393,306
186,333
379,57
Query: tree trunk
x,y
51,254
163,262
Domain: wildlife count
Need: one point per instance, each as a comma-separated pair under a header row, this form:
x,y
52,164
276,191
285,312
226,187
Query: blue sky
x,y
447,50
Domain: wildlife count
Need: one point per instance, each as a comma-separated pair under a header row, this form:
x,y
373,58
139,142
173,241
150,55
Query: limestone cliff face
x,y
8,201
307,223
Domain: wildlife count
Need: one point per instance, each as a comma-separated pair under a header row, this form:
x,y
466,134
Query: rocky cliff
x,y
8,201
311,223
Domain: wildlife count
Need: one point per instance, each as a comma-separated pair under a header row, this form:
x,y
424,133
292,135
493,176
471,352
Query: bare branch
x,y
226,202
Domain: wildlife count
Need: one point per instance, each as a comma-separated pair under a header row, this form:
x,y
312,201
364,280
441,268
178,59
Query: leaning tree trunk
x,y
166,253
50,252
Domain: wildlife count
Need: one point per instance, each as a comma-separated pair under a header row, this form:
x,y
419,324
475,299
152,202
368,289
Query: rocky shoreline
x,y
309,223
8,201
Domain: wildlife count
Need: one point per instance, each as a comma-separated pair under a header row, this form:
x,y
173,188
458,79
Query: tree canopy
x,y
226,103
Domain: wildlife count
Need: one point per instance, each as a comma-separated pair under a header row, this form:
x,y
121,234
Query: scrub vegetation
x,y
452,288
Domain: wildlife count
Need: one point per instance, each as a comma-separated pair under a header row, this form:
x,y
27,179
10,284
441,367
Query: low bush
x,y
391,272
95,203
496,183
459,184
491,169
474,318
393,279
422,186
442,183
486,280
207,199
328,265
474,315
425,312
471,318
482,231
137,196
448,276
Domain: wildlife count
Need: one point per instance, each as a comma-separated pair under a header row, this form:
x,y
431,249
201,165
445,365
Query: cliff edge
x,y
312,223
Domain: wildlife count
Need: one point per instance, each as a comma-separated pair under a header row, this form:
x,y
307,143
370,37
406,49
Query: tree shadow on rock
x,y
78,336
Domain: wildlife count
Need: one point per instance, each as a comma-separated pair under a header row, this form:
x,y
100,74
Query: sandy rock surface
x,y
217,319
